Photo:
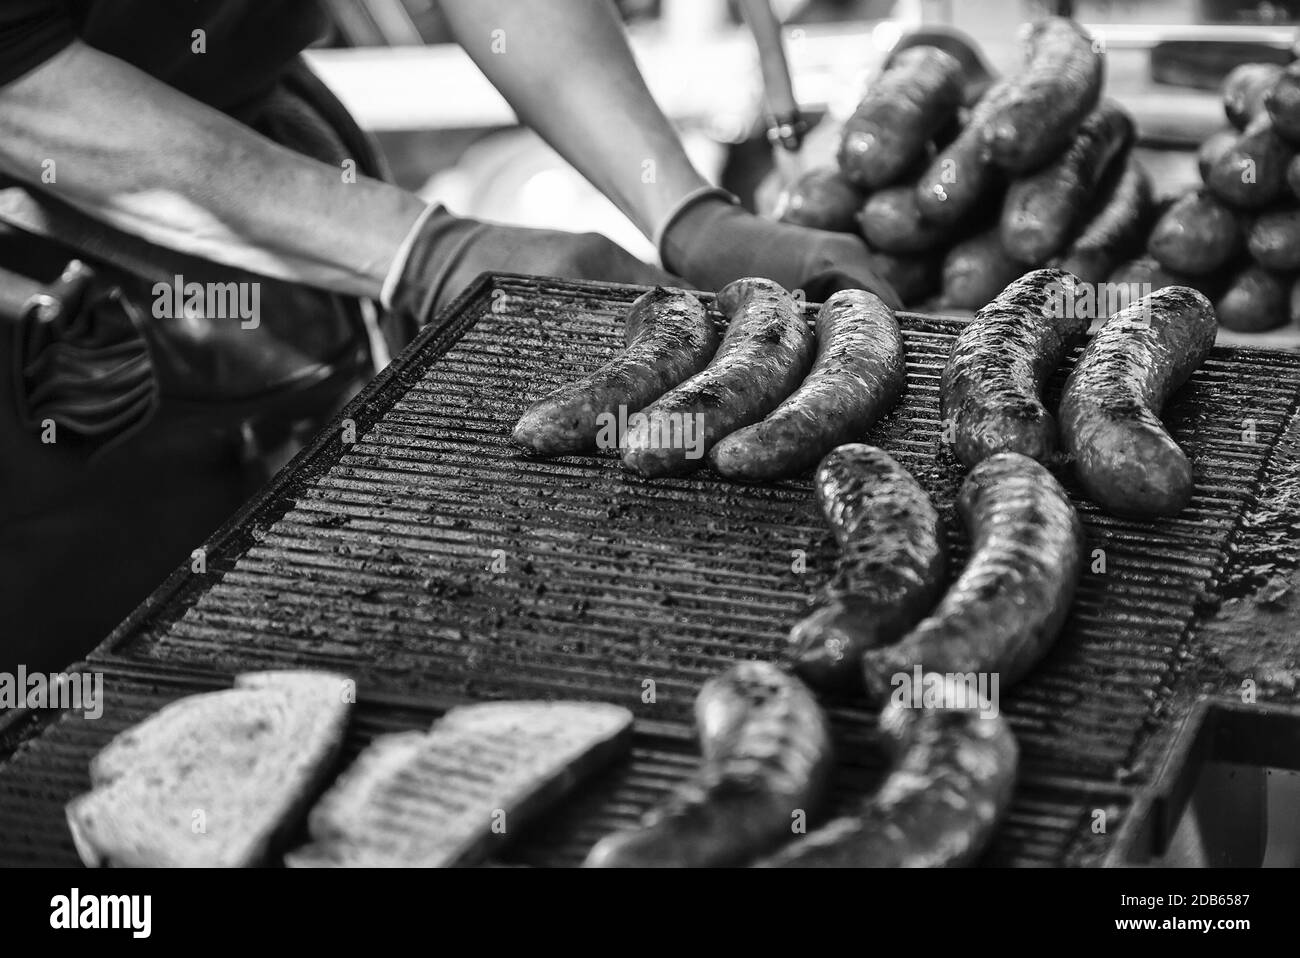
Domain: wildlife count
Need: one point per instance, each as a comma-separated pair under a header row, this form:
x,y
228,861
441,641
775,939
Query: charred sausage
x,y
765,353
1043,208
1059,86
766,754
669,338
991,388
890,569
952,777
858,375
1118,226
1006,607
916,95
1110,409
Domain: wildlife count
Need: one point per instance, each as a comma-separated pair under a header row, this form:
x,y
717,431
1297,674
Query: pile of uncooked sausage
x,y
957,198
885,613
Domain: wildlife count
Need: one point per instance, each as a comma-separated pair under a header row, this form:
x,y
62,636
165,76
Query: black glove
x,y
712,242
448,252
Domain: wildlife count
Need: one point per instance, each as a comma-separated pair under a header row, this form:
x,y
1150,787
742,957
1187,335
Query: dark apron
x,y
89,528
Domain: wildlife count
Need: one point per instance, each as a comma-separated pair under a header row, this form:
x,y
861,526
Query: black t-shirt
x,y
247,42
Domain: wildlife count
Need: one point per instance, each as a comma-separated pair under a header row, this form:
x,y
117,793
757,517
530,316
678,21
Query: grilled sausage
x,y
1282,100
858,375
990,391
890,569
913,276
1118,225
669,338
910,101
766,754
822,199
1255,301
951,781
977,269
962,173
1110,409
1214,147
891,221
764,355
1252,174
1195,236
1059,86
1274,240
1042,209
1006,607
1245,89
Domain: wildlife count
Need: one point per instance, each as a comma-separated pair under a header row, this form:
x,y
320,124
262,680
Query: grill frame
x,y
1042,798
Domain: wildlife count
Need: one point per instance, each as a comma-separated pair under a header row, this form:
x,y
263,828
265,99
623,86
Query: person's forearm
x,y
565,67
136,154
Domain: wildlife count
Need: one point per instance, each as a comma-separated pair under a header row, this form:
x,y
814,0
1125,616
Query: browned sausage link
x,y
765,354
1245,89
1116,229
1254,301
990,392
890,569
953,774
1057,88
905,107
766,754
962,174
669,338
1110,409
1195,236
1251,174
1042,209
858,376
1006,607
1282,100
891,221
976,270
822,199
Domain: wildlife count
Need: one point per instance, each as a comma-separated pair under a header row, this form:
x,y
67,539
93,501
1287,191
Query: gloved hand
x,y
712,242
447,252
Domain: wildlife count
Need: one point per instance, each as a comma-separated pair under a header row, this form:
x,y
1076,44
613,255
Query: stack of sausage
x,y
1237,238
1039,172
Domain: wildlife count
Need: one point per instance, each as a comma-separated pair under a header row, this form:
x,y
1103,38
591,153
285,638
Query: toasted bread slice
x,y
440,798
212,780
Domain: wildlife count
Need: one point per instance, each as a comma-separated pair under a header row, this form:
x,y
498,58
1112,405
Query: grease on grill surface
x,y
379,560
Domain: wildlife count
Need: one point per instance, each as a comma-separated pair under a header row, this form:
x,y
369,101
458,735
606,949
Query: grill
x,y
414,548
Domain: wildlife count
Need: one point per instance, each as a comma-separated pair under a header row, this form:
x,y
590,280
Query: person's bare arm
x,y
567,70
140,156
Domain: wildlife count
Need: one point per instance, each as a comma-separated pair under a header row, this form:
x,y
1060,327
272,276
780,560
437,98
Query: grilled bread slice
x,y
213,780
446,797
